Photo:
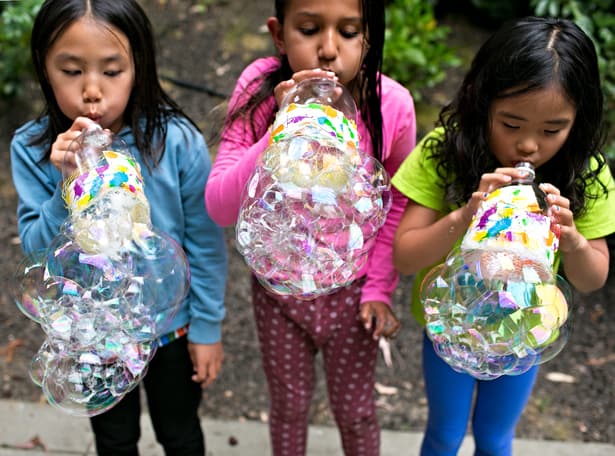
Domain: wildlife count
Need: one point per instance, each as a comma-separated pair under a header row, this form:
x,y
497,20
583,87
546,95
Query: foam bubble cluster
x,y
107,286
495,307
315,202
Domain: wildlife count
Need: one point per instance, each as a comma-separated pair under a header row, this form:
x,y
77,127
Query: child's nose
x,y
91,91
527,146
328,46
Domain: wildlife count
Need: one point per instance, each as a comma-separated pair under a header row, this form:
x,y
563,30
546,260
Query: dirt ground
x,y
203,53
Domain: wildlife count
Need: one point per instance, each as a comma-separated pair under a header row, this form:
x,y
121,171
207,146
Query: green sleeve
x,y
418,180
598,220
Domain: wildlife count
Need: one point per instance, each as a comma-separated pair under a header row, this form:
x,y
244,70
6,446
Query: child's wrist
x,y
459,221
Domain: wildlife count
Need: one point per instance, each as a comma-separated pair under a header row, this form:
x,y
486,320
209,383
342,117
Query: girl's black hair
x,y
368,81
149,106
524,55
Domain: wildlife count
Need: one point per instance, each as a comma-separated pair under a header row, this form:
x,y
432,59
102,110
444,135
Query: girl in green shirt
x,y
532,94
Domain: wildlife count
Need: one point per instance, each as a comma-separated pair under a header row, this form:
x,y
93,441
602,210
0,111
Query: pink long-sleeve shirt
x,y
243,143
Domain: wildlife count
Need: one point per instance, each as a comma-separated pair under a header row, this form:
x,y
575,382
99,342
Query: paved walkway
x,y
64,435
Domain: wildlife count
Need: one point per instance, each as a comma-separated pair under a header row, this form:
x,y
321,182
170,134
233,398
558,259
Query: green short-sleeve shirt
x,y
418,180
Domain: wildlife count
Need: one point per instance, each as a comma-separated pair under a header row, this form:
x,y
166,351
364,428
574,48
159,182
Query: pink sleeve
x,y
237,154
399,125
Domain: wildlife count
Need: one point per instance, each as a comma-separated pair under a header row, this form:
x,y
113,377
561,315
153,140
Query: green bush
x,y
15,27
415,51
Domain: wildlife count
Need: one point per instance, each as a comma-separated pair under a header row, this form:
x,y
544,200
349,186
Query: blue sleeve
x,y
40,208
204,245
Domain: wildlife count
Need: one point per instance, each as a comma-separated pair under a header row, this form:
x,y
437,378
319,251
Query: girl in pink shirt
x,y
342,40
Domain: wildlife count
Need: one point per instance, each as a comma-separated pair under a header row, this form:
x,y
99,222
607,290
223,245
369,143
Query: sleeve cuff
x,y
204,332
373,295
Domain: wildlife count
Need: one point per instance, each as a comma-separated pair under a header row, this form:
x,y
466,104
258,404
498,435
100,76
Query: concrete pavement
x,y
21,424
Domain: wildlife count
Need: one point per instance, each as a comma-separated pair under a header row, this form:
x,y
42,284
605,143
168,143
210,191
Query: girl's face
x,y
322,34
530,127
91,72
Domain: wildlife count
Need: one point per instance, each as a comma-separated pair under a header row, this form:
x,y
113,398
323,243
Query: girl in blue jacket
x,y
95,63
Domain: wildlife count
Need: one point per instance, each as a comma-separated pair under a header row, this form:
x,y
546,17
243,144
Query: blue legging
x,y
498,407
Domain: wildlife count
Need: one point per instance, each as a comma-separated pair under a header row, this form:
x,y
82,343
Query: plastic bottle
x,y
315,201
495,306
514,219
104,193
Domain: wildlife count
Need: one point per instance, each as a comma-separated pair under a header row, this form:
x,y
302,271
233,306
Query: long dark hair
x,y
525,55
368,82
149,106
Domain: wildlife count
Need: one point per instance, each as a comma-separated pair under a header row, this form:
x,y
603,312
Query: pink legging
x,y
291,332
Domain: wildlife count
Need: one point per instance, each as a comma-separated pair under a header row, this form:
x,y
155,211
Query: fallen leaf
x,y
601,361
9,349
559,377
33,443
385,348
385,390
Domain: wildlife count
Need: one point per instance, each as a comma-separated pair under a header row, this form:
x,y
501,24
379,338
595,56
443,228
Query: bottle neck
x,y
529,180
530,174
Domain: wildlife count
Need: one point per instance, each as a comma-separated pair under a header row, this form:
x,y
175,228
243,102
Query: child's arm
x,y
40,208
399,138
205,248
586,265
235,162
425,236
239,149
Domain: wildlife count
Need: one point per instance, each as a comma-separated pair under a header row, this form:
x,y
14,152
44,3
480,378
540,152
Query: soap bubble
x,y
27,285
106,288
314,204
87,383
495,307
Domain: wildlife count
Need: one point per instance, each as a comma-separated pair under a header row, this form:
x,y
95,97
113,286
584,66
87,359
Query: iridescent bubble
x,y
315,202
106,288
494,306
26,286
160,278
89,382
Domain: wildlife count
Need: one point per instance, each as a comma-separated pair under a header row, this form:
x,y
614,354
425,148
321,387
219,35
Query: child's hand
x,y
562,219
206,362
379,317
59,149
281,90
490,182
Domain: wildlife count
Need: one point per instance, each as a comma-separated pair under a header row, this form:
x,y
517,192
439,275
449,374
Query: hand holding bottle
x,y
61,156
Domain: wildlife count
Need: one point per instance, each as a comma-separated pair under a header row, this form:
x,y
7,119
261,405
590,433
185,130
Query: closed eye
x,y
507,125
349,33
308,30
71,72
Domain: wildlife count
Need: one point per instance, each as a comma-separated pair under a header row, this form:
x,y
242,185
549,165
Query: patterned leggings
x,y
291,332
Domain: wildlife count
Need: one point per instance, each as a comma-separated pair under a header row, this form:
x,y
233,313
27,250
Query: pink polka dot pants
x,y
291,332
